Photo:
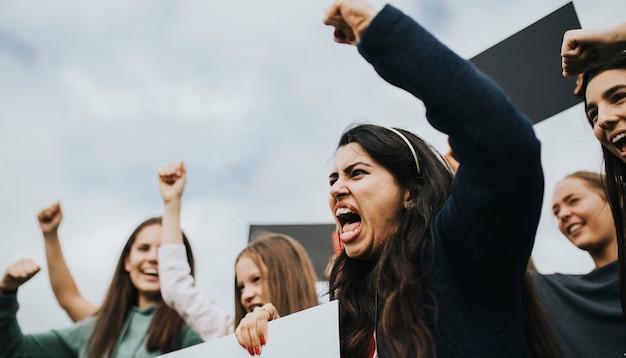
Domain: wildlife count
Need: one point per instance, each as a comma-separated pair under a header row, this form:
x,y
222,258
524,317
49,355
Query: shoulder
x,y
189,337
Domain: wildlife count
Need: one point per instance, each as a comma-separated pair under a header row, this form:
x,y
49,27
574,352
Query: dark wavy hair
x,y
122,295
615,171
398,279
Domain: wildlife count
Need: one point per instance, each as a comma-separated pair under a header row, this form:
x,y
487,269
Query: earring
x,y
409,205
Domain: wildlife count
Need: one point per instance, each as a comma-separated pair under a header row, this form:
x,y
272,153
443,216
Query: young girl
x,y
272,268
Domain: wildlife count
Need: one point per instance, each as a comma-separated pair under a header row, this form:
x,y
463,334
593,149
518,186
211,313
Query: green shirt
x,y
72,341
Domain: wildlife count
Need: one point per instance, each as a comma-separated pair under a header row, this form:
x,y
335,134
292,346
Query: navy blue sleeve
x,y
488,224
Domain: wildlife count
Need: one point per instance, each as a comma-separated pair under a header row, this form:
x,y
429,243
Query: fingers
x,y
343,32
18,273
47,214
350,18
170,173
50,218
578,60
252,330
569,45
573,54
579,85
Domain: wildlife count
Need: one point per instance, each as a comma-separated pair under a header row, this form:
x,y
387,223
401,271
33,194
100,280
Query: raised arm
x,y
18,274
63,284
489,222
207,319
583,49
172,179
56,343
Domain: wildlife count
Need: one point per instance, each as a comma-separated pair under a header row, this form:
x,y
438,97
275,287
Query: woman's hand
x,y
50,219
583,49
252,330
172,178
17,274
350,18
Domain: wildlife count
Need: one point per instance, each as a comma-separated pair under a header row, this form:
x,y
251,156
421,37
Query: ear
x,y
407,196
127,263
408,202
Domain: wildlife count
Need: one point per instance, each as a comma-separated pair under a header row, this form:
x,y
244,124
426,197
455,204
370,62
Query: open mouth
x,y
349,220
251,308
619,141
151,272
574,227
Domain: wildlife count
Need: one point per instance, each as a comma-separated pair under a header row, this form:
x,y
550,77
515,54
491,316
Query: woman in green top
x,y
133,320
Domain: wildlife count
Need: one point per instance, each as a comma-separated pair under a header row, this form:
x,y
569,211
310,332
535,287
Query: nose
x,y
247,294
153,256
339,189
563,215
607,118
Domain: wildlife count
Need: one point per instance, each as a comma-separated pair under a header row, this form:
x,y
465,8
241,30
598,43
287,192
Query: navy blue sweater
x,y
586,311
483,236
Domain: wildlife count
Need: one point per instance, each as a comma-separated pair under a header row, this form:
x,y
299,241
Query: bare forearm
x,y
62,281
172,234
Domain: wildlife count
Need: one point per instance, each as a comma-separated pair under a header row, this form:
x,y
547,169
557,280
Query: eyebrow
x,y
606,94
566,198
348,169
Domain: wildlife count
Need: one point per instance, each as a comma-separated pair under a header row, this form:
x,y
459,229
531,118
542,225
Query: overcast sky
x,y
96,96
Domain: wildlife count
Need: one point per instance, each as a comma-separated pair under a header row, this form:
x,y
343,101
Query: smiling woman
x,y
133,319
599,54
585,309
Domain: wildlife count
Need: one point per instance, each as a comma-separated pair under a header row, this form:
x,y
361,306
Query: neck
x,y
146,301
606,256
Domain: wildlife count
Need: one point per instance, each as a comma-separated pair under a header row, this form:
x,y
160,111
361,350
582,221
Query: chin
x,y
359,255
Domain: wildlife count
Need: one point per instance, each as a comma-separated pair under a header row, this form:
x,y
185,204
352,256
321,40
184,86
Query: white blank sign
x,y
313,333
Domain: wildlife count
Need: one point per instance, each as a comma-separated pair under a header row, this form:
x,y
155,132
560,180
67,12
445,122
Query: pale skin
x,y
606,109
252,330
350,18
249,283
61,280
142,265
17,274
585,218
583,49
253,326
172,179
364,187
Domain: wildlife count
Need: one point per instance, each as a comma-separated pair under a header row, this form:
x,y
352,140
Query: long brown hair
x,y
288,276
398,281
615,170
122,295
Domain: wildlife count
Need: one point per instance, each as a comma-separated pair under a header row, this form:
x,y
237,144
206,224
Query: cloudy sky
x,y
96,96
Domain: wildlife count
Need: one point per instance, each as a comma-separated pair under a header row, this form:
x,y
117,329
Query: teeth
x,y
342,211
251,308
618,137
151,271
574,227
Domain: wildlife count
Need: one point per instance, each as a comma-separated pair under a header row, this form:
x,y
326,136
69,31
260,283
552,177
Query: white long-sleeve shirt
x,y
206,318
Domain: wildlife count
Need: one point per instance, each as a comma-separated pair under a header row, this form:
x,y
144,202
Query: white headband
x,y
417,163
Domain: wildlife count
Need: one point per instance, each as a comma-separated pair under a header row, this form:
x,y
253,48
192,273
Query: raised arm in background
x,y
206,318
583,49
63,284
